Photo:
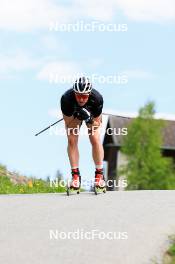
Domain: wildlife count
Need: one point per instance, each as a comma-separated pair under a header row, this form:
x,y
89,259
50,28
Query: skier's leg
x,y
72,128
97,149
97,152
73,152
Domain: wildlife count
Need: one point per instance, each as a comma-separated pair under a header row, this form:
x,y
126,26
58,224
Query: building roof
x,y
119,122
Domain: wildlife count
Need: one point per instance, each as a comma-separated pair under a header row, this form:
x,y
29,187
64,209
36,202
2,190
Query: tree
x,y
59,175
146,168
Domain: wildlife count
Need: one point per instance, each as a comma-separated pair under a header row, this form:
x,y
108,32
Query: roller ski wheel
x,y
71,190
68,191
104,191
95,190
98,190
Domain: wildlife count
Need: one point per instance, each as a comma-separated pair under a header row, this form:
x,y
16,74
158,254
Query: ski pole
x,y
62,120
48,127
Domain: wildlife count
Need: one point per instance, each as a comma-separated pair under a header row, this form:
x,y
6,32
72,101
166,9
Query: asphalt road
x,y
54,228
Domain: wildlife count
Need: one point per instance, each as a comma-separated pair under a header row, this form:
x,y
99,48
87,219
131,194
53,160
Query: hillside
x,y
13,182
14,177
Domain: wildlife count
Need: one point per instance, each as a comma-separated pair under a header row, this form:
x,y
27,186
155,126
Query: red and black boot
x,y
99,179
76,179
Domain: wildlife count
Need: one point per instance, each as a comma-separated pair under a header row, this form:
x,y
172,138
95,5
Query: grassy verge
x,y
169,256
12,183
35,186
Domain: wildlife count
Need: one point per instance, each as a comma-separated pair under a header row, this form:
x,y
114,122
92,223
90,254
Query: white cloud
x,y
10,64
27,15
140,10
59,70
147,10
96,9
139,74
16,62
19,15
53,44
164,116
19,61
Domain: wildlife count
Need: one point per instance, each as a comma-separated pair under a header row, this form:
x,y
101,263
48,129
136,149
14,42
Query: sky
x,y
41,53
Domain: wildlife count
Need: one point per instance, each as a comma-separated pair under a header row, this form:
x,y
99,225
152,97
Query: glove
x,y
83,114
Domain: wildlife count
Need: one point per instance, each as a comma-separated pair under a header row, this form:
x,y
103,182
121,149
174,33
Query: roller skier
x,y
82,103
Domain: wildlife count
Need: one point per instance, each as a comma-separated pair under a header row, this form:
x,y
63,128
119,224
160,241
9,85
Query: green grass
x,y
171,250
32,185
169,256
37,186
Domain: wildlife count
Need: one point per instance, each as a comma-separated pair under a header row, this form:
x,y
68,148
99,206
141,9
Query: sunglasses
x,y
83,96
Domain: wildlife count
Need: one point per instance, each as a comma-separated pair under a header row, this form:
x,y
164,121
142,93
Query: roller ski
x,y
99,185
75,185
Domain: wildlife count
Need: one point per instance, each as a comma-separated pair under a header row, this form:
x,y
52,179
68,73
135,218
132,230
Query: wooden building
x,y
112,144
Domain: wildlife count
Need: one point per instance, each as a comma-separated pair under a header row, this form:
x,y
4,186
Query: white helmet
x,y
82,85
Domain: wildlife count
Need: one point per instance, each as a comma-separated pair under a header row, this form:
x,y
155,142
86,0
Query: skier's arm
x,y
97,121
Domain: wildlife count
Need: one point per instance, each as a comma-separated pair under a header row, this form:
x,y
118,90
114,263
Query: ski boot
x,y
100,185
75,184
